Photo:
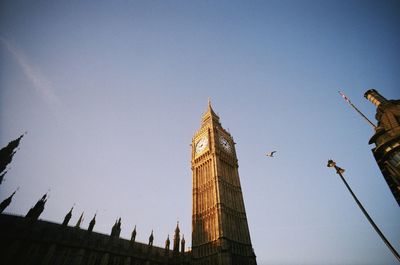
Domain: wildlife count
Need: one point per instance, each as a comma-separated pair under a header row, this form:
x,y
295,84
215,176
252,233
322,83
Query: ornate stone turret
x,y
67,217
151,238
6,155
80,220
177,238
113,229
133,236
387,139
35,211
92,223
4,204
167,243
116,229
183,244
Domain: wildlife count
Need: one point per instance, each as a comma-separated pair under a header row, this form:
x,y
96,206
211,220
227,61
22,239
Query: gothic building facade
x,y
387,139
220,232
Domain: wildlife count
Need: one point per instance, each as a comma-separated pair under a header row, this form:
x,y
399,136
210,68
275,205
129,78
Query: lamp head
x,y
331,163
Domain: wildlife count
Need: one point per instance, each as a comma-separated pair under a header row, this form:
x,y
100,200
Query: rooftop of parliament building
x,y
28,241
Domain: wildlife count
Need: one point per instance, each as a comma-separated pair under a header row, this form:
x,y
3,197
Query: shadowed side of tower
x,y
387,139
220,233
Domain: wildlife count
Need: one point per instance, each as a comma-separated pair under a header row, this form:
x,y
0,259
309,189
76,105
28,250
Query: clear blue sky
x,y
111,93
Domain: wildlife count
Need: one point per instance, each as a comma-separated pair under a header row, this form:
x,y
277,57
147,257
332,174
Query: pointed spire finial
x,y
209,114
92,223
68,216
133,235
34,213
47,194
15,191
151,238
80,220
6,202
183,244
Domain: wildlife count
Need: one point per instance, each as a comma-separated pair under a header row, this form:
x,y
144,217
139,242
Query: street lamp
x,y
340,172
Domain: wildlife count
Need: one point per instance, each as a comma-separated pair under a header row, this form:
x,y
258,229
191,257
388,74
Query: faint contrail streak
x,y
41,84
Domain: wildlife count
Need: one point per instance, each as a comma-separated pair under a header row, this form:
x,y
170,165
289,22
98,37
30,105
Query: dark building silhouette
x,y
67,217
387,139
133,235
177,238
34,213
6,202
220,233
92,223
45,243
6,156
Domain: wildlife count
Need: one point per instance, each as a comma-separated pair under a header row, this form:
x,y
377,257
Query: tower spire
x,y
183,244
80,220
6,155
133,235
209,114
151,239
92,223
34,213
67,217
177,238
4,204
209,106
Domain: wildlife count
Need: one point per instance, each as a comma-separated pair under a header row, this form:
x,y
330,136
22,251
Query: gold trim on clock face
x,y
201,144
225,144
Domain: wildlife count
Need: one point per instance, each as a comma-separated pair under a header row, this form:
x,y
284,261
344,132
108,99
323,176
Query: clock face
x,y
201,144
225,144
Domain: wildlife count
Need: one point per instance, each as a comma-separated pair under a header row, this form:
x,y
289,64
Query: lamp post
x,y
340,172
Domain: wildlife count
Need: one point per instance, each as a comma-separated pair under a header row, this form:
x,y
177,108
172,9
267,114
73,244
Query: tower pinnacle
x,y
7,201
209,114
177,238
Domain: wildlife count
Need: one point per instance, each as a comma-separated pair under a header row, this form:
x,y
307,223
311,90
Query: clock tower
x,y
220,233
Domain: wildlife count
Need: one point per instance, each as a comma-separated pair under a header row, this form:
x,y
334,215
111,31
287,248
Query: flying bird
x,y
270,154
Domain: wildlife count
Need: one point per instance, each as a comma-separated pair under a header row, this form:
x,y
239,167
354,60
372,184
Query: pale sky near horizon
x,y
111,93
